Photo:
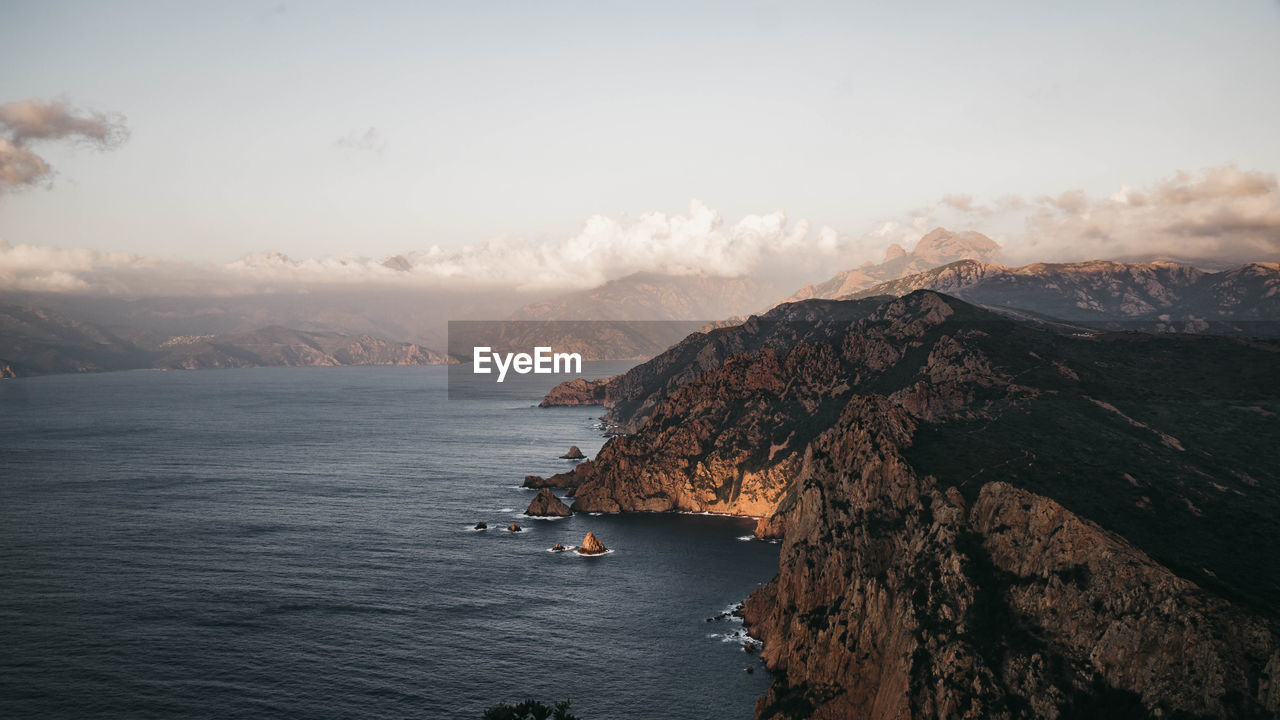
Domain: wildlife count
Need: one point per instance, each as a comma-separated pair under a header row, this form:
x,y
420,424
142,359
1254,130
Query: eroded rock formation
x,y
546,504
985,519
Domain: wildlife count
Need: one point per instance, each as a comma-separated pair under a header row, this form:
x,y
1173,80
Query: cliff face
x,y
630,398
983,519
895,598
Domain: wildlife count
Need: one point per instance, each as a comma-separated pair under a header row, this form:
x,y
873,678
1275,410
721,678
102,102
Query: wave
x,y
585,555
746,538
543,517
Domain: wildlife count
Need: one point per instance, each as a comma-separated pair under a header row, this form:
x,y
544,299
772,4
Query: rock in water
x,y
591,545
573,454
546,504
557,548
513,528
482,525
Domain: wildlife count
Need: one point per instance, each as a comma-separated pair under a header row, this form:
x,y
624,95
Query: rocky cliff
x,y
986,519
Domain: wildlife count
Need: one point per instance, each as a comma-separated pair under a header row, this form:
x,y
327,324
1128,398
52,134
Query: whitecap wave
x,y
591,555
746,538
542,517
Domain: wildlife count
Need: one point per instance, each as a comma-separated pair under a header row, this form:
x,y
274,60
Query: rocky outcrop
x,y
482,525
573,454
576,392
985,519
563,481
591,545
546,504
513,527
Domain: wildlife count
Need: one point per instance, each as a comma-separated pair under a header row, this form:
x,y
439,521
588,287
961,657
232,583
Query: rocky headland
x,y
980,517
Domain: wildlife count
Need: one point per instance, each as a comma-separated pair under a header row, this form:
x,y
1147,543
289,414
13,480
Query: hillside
x,y
1159,296
36,341
982,518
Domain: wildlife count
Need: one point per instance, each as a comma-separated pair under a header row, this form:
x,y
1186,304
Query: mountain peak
x,y
941,245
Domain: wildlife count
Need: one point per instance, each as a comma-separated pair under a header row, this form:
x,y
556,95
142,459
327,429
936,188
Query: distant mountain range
x,y
656,296
938,247
1159,296
36,341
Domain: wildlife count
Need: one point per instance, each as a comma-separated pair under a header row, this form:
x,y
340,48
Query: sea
x,y
300,542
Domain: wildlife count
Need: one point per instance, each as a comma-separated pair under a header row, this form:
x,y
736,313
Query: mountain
x,y
938,247
37,341
981,517
655,296
1158,296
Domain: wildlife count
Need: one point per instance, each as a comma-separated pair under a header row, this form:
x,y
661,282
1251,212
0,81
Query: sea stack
x,y
591,545
546,504
573,454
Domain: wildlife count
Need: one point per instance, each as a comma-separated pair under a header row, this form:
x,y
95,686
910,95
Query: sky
x,y
326,129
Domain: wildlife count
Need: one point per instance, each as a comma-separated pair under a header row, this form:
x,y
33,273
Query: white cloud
x,y
1222,213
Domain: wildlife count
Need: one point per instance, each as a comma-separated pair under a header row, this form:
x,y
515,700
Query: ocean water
x,y
297,542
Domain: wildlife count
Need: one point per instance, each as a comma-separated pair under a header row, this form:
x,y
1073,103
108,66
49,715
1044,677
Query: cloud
x,y
1222,214
25,121
368,141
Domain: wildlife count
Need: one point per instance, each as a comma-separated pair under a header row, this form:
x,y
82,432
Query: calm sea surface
x,y
297,542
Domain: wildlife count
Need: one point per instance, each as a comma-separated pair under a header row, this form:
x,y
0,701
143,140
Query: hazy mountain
x,y
939,247
654,296
1160,296
37,341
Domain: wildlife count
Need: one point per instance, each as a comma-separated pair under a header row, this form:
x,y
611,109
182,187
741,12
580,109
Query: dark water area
x,y
298,542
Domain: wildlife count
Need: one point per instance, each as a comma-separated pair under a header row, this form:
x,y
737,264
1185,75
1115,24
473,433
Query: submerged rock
x,y
514,528
591,545
573,454
546,504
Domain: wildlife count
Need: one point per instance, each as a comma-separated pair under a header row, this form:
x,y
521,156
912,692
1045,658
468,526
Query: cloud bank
x,y
1225,215
27,121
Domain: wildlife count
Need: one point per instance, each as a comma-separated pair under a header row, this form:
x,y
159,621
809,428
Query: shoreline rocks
x,y
546,504
573,454
576,393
